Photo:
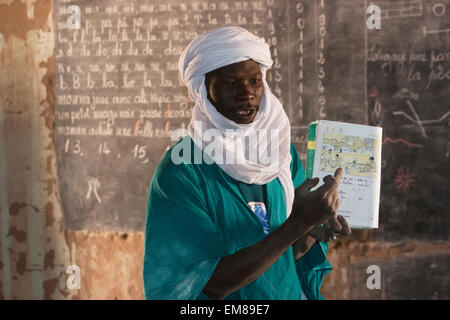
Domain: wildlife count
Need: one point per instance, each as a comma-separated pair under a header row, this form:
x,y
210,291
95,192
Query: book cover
x,y
357,150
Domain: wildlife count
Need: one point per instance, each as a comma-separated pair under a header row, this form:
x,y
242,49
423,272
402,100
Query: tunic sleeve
x,y
183,242
313,266
312,269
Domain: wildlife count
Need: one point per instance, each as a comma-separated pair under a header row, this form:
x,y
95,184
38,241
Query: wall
x,y
35,247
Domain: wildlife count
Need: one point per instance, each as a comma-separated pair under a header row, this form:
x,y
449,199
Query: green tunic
x,y
196,214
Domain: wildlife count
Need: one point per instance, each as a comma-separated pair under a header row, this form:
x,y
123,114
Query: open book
x,y
357,150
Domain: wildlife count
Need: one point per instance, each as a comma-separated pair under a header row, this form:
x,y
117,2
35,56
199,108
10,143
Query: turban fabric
x,y
216,49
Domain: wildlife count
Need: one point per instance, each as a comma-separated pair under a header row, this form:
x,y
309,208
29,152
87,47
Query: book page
x,y
357,150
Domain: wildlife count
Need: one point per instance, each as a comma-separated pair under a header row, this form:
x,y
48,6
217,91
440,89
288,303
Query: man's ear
x,y
208,80
208,77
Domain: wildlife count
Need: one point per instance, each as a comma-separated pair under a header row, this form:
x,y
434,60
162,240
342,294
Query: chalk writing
x,y
119,95
93,184
404,180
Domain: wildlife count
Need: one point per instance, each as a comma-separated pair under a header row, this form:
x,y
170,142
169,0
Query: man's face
x,y
236,90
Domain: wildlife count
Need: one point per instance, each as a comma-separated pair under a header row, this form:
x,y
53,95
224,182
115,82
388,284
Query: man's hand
x,y
316,207
330,229
335,226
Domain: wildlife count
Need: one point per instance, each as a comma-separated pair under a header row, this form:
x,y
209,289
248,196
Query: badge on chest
x,y
259,209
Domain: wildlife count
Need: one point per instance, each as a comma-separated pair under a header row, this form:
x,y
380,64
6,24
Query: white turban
x,y
211,51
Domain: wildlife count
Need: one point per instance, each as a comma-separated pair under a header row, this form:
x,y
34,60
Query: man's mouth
x,y
244,112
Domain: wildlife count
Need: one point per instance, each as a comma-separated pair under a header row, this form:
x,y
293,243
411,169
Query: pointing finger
x,y
338,175
331,182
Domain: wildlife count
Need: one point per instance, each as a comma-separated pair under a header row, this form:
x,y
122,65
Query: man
x,y
236,229
325,162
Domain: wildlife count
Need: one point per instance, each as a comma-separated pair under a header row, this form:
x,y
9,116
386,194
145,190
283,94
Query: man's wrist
x,y
302,246
299,229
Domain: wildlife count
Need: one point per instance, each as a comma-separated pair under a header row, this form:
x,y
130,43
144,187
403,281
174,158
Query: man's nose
x,y
244,91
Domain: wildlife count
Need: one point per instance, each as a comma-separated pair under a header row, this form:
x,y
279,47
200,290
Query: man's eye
x,y
255,81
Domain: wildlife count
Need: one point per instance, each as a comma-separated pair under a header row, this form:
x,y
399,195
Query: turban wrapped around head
x,y
218,48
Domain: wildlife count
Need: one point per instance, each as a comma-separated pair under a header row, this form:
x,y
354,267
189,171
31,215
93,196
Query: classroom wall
x,y
35,247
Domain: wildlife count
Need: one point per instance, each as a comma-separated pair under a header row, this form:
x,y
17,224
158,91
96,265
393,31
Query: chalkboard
x,y
408,72
119,97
